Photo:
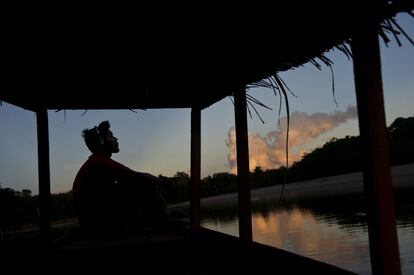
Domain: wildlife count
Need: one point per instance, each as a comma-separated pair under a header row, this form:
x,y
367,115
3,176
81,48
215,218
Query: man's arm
x,y
129,176
149,178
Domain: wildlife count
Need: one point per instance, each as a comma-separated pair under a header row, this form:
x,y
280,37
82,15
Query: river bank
x,y
402,177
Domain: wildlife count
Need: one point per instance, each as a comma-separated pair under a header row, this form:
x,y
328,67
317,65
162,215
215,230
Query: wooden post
x,y
375,150
44,177
195,206
243,175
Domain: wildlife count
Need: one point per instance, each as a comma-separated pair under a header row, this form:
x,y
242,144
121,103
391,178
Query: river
x,y
330,227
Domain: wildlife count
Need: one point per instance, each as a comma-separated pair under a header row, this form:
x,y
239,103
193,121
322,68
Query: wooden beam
x,y
44,177
243,175
195,188
377,176
93,100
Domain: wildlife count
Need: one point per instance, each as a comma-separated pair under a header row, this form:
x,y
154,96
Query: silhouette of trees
x,y
335,157
176,188
219,183
401,136
16,208
62,206
21,208
340,156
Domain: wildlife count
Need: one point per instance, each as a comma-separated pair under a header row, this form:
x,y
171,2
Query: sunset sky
x,y
158,141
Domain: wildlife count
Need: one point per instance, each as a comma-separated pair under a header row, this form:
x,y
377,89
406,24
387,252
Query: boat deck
x,y
177,250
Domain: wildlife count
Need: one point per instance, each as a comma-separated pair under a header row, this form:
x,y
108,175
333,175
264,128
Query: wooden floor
x,y
155,249
175,250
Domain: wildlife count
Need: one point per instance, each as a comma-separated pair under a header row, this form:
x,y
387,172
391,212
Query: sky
x,y
158,140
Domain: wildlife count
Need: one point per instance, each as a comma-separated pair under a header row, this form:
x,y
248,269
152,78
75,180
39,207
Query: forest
x,y
335,157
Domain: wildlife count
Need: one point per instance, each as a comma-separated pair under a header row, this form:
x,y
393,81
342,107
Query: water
x,y
333,230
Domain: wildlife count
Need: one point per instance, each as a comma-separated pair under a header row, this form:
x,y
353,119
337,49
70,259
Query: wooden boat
x,y
178,250
185,61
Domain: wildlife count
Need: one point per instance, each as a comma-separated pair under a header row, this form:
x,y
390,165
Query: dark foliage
x,y
401,135
16,208
340,156
335,157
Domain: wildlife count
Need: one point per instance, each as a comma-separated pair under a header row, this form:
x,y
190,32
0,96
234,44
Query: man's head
x,y
100,139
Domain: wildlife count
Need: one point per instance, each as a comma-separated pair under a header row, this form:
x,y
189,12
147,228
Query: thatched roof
x,y
170,60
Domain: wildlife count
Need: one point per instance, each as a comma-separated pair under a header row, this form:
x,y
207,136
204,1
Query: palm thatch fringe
x,y
280,88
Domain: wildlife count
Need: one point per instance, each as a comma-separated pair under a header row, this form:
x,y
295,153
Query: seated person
x,y
108,195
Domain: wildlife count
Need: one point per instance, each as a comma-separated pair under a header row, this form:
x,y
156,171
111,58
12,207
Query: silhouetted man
x,y
108,195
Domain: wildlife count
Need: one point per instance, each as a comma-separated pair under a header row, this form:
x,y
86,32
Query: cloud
x,y
269,151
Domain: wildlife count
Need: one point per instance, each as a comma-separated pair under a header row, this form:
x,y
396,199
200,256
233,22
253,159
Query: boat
x,y
186,61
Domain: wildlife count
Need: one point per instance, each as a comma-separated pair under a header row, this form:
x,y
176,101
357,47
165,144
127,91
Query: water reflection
x,y
300,231
332,230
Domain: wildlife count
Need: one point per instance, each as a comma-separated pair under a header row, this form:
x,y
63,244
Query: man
x,y
108,195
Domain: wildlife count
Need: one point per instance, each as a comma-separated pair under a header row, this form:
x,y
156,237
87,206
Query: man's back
x,y
96,192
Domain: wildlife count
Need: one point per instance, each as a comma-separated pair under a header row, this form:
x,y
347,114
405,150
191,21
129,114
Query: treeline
x,y
17,208
340,156
337,156
177,189
21,208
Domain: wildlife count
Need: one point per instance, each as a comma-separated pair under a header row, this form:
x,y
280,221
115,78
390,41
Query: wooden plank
x,y
243,175
195,205
377,178
44,177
